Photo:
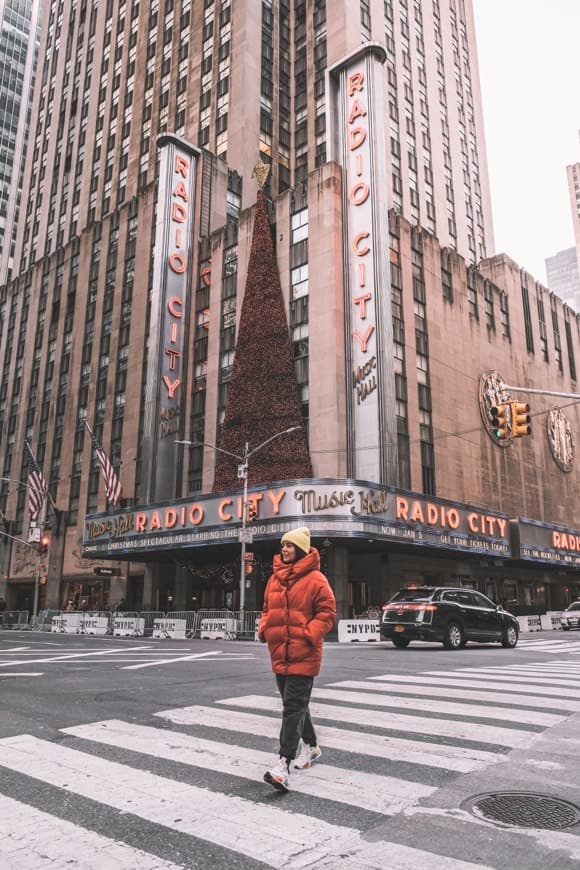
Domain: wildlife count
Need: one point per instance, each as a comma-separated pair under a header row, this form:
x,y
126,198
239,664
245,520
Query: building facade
x,y
19,41
403,327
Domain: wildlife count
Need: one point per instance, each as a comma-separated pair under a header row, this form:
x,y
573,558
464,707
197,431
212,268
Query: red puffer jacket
x,y
299,609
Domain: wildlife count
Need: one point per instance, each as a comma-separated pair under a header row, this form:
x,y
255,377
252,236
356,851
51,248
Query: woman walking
x,y
299,610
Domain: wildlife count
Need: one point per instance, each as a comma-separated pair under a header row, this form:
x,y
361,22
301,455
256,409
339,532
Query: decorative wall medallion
x,y
560,439
492,392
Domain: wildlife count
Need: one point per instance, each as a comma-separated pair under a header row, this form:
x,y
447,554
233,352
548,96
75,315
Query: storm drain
x,y
524,810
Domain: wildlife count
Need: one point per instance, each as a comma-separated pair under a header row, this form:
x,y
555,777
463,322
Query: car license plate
x,y
399,628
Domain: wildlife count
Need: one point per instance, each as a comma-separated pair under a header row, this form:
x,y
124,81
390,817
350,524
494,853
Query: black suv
x,y
446,614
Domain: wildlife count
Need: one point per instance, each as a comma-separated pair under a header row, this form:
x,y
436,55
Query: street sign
x,y
34,535
248,557
106,572
246,536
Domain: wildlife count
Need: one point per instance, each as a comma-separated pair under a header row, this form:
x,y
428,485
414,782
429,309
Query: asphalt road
x,y
135,753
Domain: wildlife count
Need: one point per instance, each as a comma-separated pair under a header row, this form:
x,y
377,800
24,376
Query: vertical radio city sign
x,y
356,125
169,322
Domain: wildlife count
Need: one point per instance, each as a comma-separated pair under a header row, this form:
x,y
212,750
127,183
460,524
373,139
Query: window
x,y
527,319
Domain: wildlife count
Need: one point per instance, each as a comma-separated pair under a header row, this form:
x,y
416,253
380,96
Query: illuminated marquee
x,y
344,508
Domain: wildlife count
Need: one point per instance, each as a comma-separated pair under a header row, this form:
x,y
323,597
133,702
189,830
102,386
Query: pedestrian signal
x,y
248,568
520,419
500,420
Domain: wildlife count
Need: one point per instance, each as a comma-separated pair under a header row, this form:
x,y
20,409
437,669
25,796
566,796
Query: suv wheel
x,y
454,637
401,642
510,637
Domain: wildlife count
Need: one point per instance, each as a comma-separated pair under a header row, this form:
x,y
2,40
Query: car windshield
x,y
574,606
413,595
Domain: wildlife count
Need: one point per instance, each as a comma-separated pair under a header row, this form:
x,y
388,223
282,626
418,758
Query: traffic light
x,y
252,511
500,420
520,419
44,544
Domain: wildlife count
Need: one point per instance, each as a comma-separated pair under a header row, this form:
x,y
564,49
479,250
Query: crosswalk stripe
x,y
425,689
491,734
275,837
46,842
458,758
522,717
500,683
381,794
533,673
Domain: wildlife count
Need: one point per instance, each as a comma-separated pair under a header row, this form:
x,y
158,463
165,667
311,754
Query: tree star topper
x,y
261,173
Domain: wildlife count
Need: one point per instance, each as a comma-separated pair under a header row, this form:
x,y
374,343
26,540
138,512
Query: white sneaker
x,y
278,775
307,756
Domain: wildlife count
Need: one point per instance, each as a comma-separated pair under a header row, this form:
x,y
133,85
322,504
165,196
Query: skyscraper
x,y
19,39
148,121
563,276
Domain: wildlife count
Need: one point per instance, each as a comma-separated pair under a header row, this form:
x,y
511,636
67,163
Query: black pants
x,y
296,722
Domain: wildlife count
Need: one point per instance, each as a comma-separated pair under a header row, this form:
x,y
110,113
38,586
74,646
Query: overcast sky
x,y
530,81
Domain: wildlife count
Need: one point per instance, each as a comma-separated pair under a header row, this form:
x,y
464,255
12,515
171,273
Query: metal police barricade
x,y
43,622
128,625
170,627
248,621
357,630
13,619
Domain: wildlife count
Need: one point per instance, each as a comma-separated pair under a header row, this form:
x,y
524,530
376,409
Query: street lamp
x,y
243,460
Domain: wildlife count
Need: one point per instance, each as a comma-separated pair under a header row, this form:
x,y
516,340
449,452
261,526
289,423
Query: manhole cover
x,y
524,810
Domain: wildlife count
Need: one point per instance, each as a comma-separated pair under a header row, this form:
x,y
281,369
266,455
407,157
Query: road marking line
x,y
425,688
46,842
276,837
67,657
379,794
23,674
154,664
15,649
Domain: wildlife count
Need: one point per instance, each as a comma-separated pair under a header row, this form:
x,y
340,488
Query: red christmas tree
x,y
263,391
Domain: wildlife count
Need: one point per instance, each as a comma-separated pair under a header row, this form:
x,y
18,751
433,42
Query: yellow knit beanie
x,y
299,537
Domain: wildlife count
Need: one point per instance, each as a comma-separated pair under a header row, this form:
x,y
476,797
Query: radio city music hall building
x,y
140,207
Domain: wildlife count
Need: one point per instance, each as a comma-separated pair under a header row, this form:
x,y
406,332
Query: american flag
x,y
113,487
37,486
